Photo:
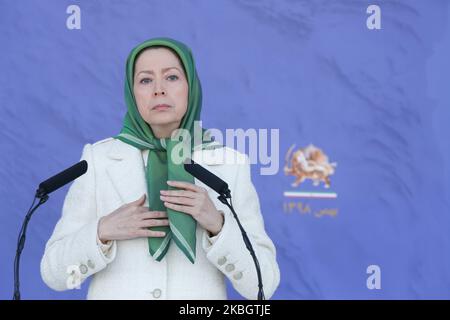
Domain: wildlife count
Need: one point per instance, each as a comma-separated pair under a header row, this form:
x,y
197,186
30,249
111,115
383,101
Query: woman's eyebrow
x,y
163,70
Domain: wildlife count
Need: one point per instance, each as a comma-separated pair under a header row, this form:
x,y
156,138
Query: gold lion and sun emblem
x,y
309,163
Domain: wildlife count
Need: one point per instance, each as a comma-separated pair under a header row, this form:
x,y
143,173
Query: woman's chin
x,y
162,120
162,117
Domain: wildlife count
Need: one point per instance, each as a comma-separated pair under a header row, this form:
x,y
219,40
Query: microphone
x,y
45,187
221,187
207,177
62,178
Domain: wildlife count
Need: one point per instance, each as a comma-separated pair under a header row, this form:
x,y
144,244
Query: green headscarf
x,y
160,167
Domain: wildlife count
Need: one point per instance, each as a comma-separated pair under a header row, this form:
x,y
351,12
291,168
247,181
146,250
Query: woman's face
x,y
161,90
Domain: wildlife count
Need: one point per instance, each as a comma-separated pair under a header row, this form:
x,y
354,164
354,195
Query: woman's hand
x,y
195,201
131,221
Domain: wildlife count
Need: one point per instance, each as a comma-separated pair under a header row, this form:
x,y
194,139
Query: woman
x,y
107,230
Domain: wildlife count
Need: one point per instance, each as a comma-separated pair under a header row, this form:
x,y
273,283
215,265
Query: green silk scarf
x,y
160,165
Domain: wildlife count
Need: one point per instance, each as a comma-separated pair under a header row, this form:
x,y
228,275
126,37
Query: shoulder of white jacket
x,y
103,146
103,141
233,152
222,155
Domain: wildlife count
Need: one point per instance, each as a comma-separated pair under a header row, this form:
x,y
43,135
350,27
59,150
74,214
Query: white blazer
x,y
115,176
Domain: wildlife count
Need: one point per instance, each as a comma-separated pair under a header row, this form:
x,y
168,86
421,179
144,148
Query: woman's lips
x,y
161,107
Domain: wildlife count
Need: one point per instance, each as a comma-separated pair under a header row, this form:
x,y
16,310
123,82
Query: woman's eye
x,y
145,80
172,77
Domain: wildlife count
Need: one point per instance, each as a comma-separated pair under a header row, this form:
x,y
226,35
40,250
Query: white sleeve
x,y
213,239
105,247
72,253
228,251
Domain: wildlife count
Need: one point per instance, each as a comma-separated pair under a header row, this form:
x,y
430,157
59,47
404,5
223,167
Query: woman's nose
x,y
159,92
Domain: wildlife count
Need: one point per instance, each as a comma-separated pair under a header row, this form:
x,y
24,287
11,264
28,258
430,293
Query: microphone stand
x,y
224,195
43,196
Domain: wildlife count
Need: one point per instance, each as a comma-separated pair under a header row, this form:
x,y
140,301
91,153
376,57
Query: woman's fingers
x,y
153,223
179,200
145,233
181,208
186,185
145,214
179,193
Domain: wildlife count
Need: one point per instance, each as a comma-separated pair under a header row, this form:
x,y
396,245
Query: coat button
x,y
90,264
237,276
83,269
222,261
156,293
229,267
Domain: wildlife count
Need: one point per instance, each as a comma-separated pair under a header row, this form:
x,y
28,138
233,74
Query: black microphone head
x,y
205,176
62,178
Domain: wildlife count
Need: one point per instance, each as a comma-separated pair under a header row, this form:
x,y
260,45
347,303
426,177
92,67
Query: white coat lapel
x,y
126,171
209,157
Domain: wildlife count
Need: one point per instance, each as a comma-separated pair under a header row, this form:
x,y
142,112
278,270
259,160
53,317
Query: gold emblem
x,y
309,163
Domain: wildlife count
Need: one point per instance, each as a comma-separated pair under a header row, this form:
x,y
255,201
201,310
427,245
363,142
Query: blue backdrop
x,y
375,101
